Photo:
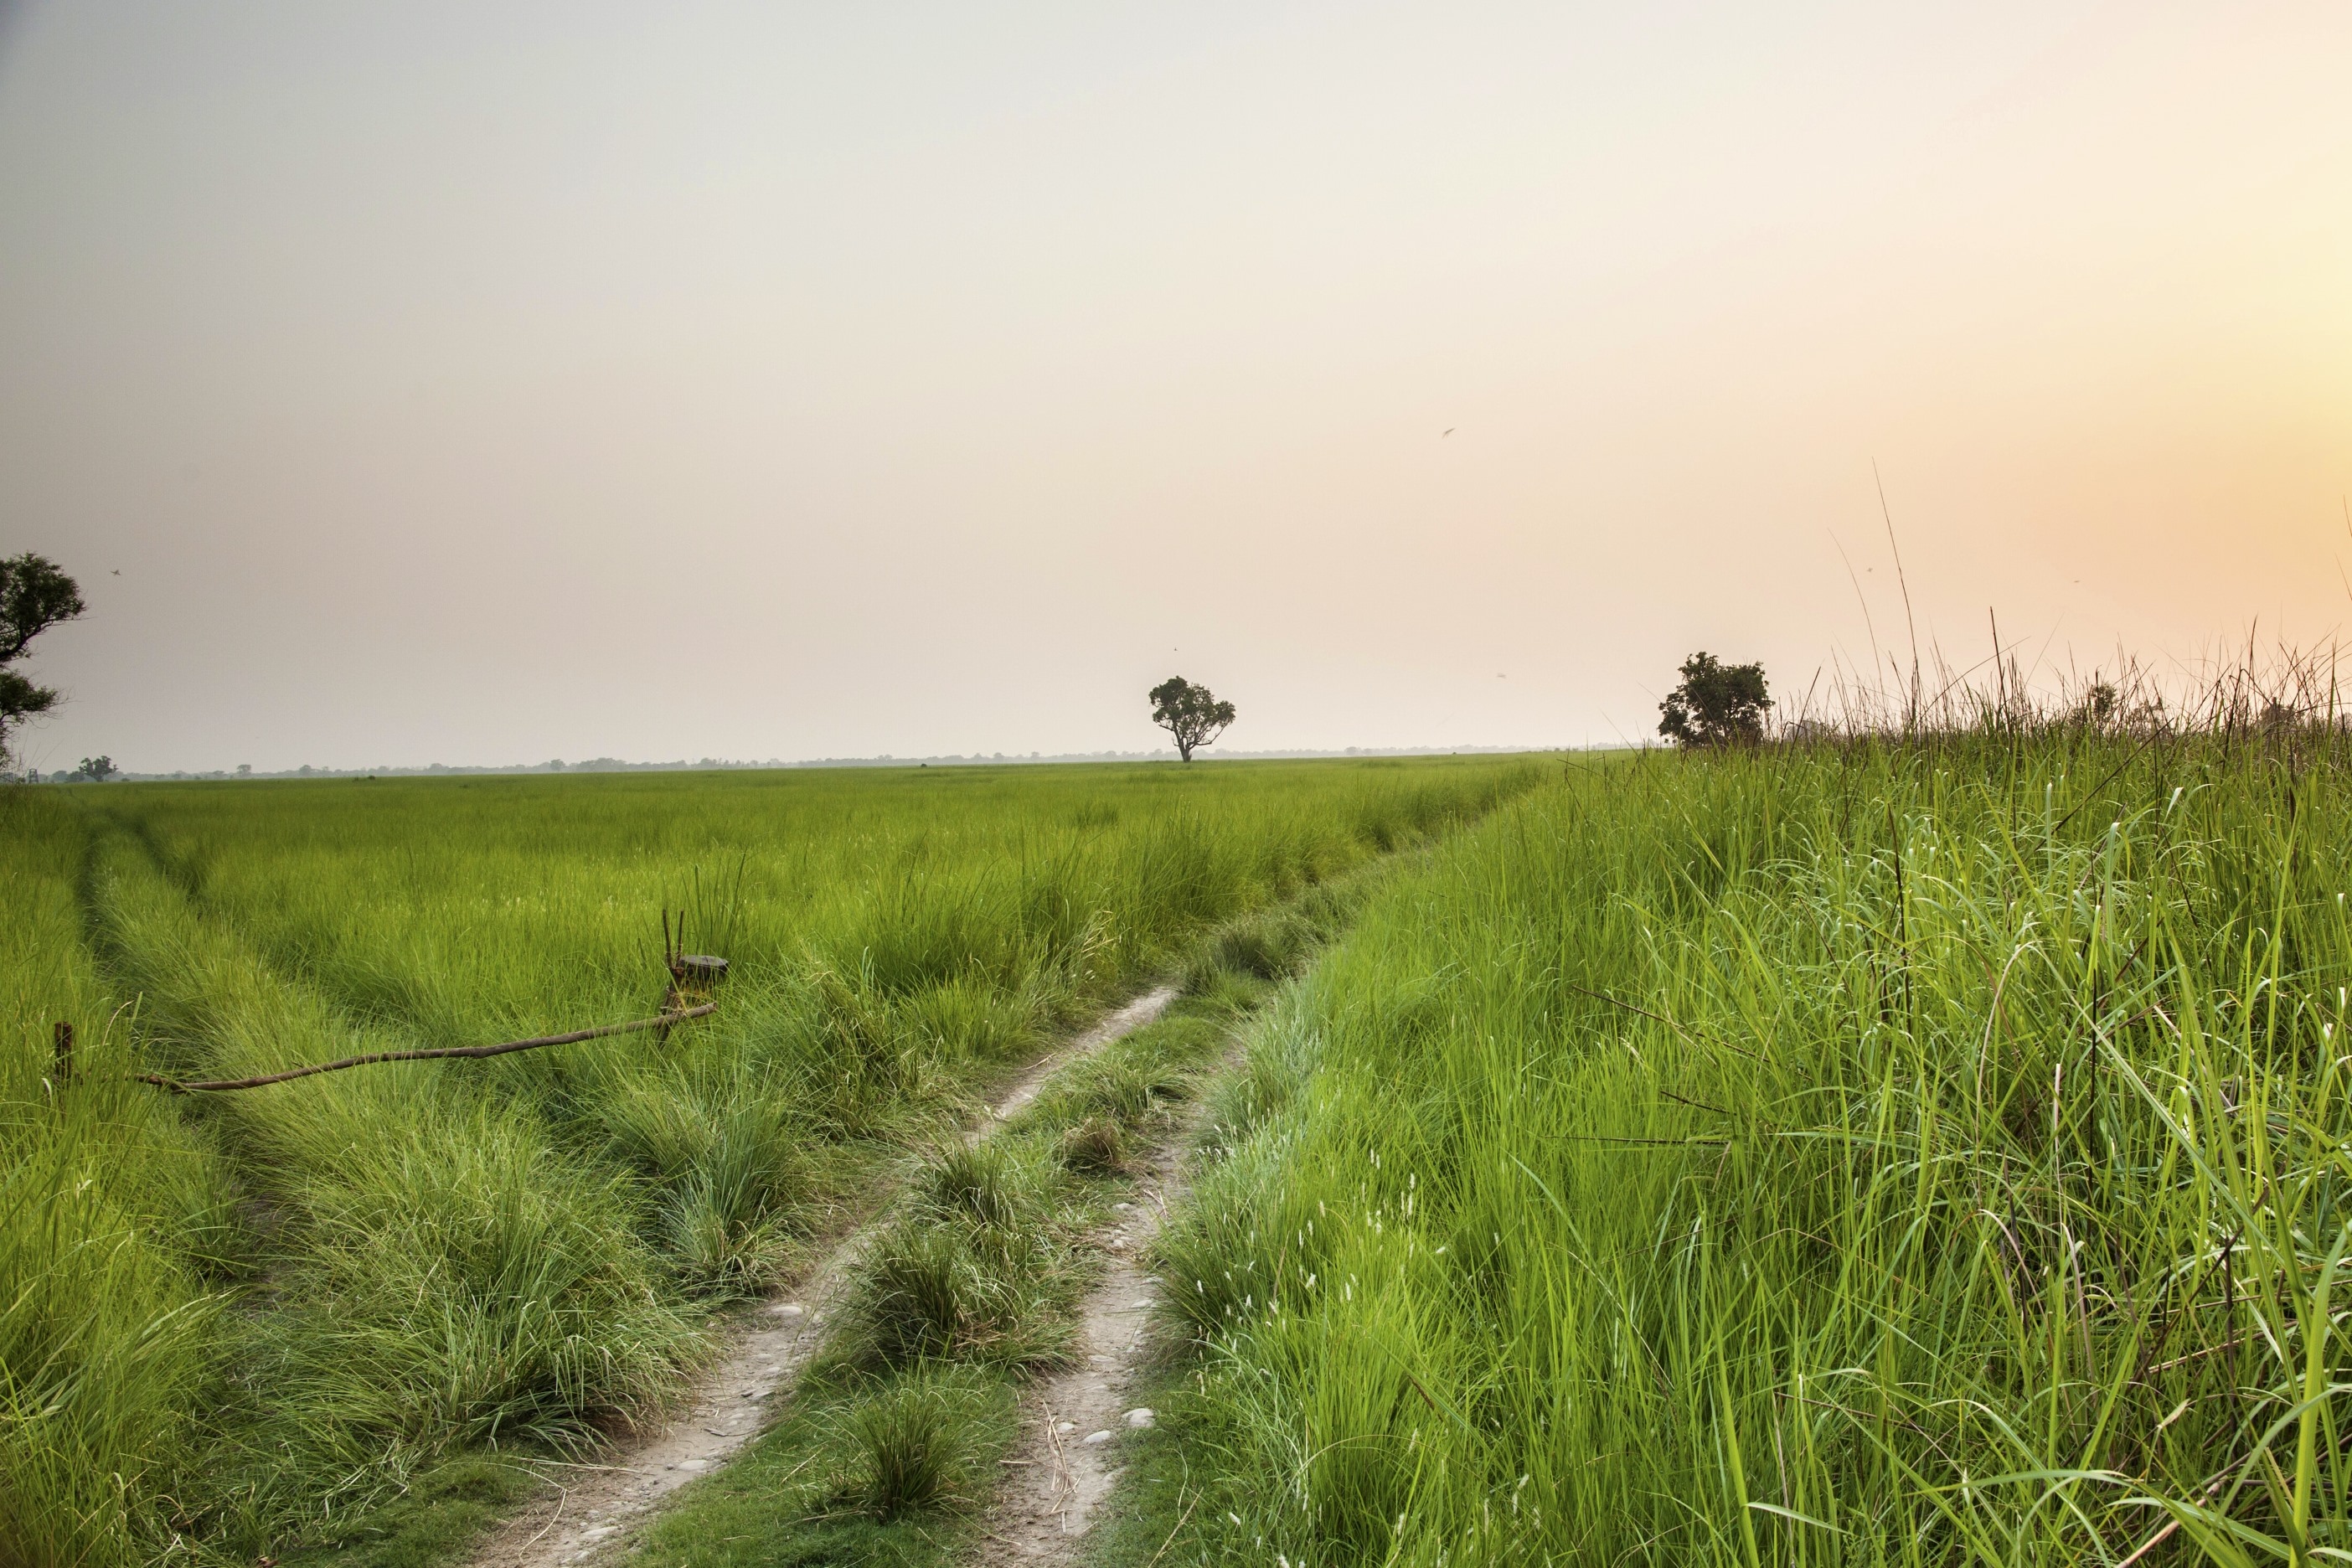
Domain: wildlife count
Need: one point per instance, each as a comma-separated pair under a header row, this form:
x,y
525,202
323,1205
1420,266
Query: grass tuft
x,y
1095,1147
996,1183
916,1443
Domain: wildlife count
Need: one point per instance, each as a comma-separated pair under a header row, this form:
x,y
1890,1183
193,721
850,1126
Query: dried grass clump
x,y
2287,699
1095,1147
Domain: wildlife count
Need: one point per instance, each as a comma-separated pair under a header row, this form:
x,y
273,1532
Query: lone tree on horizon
x,y
33,597
1718,704
1191,713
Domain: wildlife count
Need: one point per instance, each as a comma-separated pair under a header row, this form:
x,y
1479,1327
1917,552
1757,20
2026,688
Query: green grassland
x,y
1929,1150
232,1323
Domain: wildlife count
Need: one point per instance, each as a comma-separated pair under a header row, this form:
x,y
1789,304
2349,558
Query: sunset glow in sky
x,y
491,382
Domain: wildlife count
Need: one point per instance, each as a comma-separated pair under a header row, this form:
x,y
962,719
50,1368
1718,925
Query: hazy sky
x,y
477,382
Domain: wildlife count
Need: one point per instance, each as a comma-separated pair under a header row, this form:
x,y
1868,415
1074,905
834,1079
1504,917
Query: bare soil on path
x,y
1073,1421
764,1352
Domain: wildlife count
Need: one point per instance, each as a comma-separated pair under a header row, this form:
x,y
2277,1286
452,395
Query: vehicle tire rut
x,y
1074,1420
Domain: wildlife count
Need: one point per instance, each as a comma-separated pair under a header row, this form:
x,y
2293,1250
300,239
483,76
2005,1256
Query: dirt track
x,y
596,1505
1074,1422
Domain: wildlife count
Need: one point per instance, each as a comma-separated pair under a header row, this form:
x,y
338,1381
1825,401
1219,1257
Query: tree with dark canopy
x,y
1191,713
1718,704
33,597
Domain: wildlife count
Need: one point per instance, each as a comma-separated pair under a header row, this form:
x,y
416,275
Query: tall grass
x,y
115,1232
1927,1149
229,1322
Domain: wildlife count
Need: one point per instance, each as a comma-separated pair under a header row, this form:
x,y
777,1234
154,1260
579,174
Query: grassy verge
x,y
1911,1152
434,1518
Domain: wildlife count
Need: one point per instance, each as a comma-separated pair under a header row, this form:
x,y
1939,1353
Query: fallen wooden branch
x,y
212,1085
